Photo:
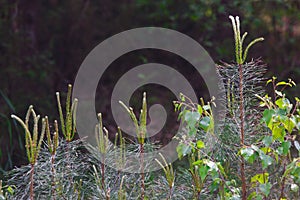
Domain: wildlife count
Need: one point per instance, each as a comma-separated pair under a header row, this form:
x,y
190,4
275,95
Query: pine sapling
x,y
239,92
102,140
141,131
32,144
68,122
52,144
169,173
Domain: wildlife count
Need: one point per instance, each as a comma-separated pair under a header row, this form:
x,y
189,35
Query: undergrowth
x,y
251,153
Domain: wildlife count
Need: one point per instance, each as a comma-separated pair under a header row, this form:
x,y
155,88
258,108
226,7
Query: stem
x,y
295,108
102,175
53,176
243,178
282,184
198,195
142,171
31,182
170,193
274,90
222,192
68,162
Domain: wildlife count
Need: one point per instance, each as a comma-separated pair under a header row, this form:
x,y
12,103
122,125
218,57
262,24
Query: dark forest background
x,y
43,43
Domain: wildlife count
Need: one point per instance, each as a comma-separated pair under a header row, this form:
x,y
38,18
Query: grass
x,y
13,132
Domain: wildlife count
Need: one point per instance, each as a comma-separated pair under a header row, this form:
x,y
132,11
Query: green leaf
x,y
261,178
266,150
248,154
276,156
182,98
204,123
289,124
198,162
183,150
203,171
215,185
284,103
221,168
255,196
192,131
267,140
265,188
281,113
280,150
200,110
265,160
192,116
286,147
267,116
269,81
251,196
191,119
200,144
278,133
10,190
281,83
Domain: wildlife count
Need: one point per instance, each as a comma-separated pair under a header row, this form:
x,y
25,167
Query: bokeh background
x,y
43,43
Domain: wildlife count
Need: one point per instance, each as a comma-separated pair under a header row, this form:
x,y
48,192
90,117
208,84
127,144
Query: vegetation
x,y
251,153
44,42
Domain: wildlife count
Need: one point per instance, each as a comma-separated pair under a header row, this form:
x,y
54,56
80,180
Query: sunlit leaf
x,y
261,178
278,133
200,144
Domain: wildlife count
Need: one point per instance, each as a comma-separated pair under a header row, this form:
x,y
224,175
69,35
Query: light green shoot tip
x,y
241,54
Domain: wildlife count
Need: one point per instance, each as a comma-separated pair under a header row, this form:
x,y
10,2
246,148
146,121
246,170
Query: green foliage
x,y
36,56
250,154
140,125
5,191
239,53
52,142
207,174
195,117
32,144
281,118
265,140
68,122
101,135
169,174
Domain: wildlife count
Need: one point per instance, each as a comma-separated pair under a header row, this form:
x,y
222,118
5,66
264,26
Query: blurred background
x,y
43,43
